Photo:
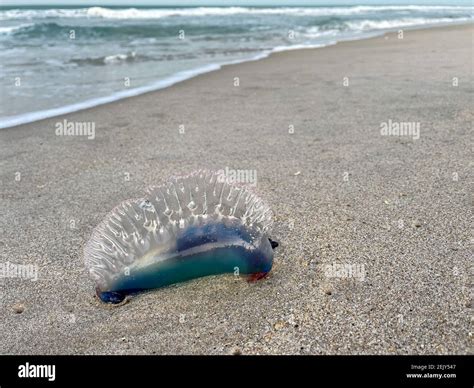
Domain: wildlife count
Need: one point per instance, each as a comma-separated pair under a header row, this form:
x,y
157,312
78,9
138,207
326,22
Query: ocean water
x,y
57,60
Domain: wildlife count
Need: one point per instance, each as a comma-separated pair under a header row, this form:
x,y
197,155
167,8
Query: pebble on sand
x,y
236,351
279,325
18,308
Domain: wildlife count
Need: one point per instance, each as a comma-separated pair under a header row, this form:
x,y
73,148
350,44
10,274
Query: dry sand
x,y
341,192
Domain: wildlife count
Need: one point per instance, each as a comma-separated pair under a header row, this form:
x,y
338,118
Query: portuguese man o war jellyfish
x,y
193,226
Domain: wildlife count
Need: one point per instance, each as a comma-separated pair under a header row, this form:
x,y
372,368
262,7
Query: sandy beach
x,y
399,208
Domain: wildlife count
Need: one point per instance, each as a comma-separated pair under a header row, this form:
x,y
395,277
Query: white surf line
x,y
26,118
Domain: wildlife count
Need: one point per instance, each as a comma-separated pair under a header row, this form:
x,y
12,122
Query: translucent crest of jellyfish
x,y
192,226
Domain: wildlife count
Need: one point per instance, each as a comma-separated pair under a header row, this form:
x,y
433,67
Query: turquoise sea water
x,y
58,60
